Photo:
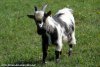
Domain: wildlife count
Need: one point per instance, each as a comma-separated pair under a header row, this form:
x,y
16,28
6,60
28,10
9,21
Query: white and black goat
x,y
55,29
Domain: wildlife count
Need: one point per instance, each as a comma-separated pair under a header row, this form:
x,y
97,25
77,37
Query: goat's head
x,y
38,17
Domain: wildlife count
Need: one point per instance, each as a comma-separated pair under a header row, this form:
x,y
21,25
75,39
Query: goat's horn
x,y
44,7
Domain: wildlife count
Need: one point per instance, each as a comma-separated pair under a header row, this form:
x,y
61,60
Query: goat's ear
x,y
49,13
31,16
35,8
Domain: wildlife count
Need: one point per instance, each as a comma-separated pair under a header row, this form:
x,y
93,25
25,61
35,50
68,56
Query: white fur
x,y
73,41
39,15
59,41
50,24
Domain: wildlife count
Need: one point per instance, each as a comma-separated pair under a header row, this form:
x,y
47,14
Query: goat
x,y
55,29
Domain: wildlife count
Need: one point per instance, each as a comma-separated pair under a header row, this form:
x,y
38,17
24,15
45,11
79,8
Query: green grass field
x,y
20,43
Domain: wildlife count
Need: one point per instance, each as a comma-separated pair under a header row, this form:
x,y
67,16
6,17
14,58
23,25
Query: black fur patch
x,y
56,18
58,15
54,36
57,53
70,45
72,28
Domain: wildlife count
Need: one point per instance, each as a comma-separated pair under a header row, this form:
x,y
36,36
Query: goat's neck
x,y
50,21
50,24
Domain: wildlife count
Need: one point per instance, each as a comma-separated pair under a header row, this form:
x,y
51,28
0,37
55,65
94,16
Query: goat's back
x,y
66,16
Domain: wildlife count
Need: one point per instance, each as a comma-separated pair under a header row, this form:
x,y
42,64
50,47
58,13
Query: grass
x,y
20,44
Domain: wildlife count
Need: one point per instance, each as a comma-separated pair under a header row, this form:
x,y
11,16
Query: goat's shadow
x,y
31,62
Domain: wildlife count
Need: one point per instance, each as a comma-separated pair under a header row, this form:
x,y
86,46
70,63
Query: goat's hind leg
x,y
72,42
58,51
70,50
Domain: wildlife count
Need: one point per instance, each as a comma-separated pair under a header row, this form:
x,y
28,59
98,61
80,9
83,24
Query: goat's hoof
x,y
43,62
57,60
69,53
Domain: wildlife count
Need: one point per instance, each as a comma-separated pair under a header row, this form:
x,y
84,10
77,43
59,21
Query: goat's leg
x,y
58,51
45,43
44,49
58,46
72,41
70,50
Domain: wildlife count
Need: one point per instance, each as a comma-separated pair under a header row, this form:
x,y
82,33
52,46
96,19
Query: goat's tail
x,y
71,10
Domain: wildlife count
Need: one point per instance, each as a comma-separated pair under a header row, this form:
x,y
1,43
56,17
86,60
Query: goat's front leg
x,y
44,49
45,43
